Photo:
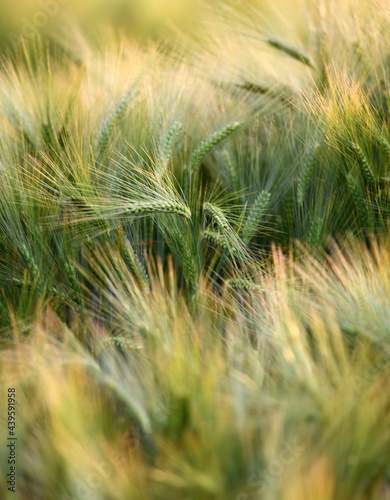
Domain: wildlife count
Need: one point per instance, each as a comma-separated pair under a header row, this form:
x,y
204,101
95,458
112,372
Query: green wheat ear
x,y
243,284
316,231
216,215
32,269
71,276
207,145
290,51
188,265
385,144
306,173
119,342
287,49
30,263
167,148
218,239
144,208
111,122
255,214
232,172
136,266
359,201
288,213
362,161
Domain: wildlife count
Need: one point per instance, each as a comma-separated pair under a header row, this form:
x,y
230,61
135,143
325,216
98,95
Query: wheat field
x,y
195,250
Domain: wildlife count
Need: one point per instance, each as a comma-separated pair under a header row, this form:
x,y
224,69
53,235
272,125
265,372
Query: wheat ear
x,y
306,173
167,148
111,122
207,145
118,342
218,239
290,51
243,284
316,228
29,261
134,263
141,208
256,213
232,171
187,262
359,201
74,283
217,216
365,167
385,144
